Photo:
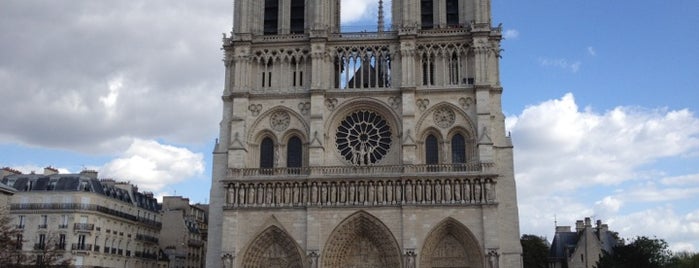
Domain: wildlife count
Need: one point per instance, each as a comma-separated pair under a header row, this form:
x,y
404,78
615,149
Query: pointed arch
x,y
273,247
361,239
451,244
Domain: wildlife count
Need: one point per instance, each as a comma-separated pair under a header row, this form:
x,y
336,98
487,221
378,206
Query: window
x,y
20,222
271,21
458,149
43,221
61,242
294,153
42,241
431,150
297,16
363,138
427,70
427,14
267,153
452,13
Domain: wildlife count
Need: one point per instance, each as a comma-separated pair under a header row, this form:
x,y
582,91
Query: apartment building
x,y
92,222
183,236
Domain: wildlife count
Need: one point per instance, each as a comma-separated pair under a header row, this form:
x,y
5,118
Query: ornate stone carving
x,y
279,120
272,248
422,104
365,192
255,109
331,103
466,102
363,138
304,107
444,117
227,260
493,258
394,102
313,259
410,258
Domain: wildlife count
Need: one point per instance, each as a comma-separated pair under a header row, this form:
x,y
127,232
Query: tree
x,y
50,254
684,260
642,252
11,246
534,251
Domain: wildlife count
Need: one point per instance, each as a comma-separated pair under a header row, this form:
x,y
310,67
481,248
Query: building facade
x,y
183,236
363,149
93,223
583,247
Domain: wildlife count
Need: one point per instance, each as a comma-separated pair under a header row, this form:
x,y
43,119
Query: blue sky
x,y
601,100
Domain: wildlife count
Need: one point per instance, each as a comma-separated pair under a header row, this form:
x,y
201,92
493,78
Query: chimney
x,y
50,171
562,229
89,173
605,228
579,226
588,222
6,171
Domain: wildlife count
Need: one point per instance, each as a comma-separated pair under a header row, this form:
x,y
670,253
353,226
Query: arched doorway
x,y
273,248
451,245
363,241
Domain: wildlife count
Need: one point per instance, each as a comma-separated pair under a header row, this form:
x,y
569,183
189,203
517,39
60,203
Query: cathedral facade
x,y
381,148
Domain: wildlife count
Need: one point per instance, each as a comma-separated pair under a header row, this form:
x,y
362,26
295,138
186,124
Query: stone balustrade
x,y
474,190
465,169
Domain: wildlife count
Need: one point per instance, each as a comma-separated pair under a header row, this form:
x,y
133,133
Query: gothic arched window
x,y
294,153
431,150
452,13
271,17
458,149
297,16
427,13
267,153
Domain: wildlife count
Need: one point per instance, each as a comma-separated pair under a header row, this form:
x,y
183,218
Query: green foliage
x,y
684,260
642,252
534,251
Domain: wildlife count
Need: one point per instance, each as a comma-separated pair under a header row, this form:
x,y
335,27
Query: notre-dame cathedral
x,y
382,148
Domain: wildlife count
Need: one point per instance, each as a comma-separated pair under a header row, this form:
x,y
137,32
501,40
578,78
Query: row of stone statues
x,y
364,192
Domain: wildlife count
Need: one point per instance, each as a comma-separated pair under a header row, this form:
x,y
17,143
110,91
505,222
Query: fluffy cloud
x,y
91,75
510,34
152,165
573,163
561,63
598,148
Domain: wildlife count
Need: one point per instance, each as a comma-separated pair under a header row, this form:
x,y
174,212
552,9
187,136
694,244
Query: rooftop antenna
x,y
555,221
380,16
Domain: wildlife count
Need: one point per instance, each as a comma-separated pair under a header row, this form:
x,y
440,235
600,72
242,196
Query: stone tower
x,y
363,149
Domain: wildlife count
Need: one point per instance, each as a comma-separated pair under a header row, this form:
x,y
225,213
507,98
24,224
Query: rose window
x,y
363,138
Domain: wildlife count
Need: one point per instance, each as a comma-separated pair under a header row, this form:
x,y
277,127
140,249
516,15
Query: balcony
x,y
106,249
81,247
60,247
146,238
85,207
63,226
195,243
97,248
83,227
19,226
362,171
39,246
42,226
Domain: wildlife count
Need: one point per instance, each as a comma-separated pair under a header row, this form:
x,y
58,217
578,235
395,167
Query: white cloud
x,y
356,10
115,70
591,51
559,146
152,165
510,34
680,231
561,63
573,163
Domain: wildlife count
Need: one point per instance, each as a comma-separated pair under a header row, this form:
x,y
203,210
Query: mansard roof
x,y
6,189
80,183
564,243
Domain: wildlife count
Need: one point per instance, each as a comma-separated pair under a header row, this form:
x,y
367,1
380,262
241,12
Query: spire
x,y
380,16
